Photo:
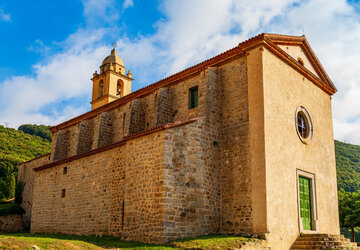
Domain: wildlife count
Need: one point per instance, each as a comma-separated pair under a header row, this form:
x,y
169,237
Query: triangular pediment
x,y
299,51
296,52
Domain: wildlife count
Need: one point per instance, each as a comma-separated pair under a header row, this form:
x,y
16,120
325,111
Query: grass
x,y
58,241
213,242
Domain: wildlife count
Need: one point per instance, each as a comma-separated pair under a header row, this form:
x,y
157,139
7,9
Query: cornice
x,y
36,158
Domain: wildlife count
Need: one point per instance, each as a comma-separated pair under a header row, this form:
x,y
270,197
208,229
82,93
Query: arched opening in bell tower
x,y
120,88
101,89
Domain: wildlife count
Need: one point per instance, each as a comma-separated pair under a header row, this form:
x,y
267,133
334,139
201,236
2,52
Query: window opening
x,y
124,119
63,193
193,97
65,170
122,214
101,89
303,125
120,89
300,61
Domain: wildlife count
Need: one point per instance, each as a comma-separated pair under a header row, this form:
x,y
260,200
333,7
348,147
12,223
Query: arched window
x,y
120,89
300,61
101,89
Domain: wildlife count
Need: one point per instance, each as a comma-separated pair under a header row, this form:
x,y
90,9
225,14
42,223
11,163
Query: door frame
x,y
314,216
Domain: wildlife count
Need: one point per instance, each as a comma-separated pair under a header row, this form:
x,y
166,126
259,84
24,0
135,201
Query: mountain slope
x,y
348,166
15,147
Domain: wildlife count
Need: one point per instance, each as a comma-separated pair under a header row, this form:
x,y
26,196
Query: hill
x,y
348,166
15,147
39,130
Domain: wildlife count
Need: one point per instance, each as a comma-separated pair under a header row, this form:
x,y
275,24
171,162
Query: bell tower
x,y
112,83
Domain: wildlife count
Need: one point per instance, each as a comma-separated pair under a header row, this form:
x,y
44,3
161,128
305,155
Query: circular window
x,y
303,125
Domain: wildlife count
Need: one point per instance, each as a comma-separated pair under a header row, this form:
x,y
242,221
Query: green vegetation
x,y
348,234
52,241
348,166
213,242
11,208
349,211
39,130
16,147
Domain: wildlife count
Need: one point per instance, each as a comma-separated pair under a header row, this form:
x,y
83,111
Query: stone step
x,y
322,235
323,243
321,247
320,239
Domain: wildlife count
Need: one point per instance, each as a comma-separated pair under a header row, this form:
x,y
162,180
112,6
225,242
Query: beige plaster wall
x,y
284,90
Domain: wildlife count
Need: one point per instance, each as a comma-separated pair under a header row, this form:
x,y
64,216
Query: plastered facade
x,y
148,168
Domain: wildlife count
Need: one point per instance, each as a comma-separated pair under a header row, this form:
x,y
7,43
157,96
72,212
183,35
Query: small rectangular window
x,y
193,97
65,170
63,193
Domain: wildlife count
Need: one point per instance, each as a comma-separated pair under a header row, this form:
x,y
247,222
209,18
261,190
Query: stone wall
x,y
144,188
85,208
236,206
165,112
62,145
180,93
106,132
192,170
86,136
11,223
116,192
26,174
191,185
137,116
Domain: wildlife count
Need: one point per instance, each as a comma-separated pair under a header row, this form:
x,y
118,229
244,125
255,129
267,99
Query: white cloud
x,y
100,13
64,76
127,4
4,17
189,32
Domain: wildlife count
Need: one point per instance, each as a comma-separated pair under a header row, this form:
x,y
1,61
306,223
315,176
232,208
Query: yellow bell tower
x,y
112,83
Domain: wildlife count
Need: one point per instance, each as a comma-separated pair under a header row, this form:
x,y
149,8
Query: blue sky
x,y
49,49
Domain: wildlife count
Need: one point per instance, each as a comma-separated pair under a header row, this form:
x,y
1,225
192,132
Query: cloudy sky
x,y
49,49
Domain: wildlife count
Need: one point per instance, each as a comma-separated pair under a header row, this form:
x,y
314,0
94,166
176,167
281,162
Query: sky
x,y
50,49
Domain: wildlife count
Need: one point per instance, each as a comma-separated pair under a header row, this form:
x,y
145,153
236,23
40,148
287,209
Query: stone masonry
x,y
62,145
165,113
85,140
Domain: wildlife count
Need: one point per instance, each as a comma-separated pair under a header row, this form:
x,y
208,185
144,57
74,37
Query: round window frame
x,y
306,140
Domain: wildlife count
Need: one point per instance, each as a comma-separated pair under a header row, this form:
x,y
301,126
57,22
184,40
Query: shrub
x,y
11,208
19,192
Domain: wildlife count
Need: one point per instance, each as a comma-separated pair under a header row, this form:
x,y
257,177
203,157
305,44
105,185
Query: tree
x,y
12,185
19,192
349,211
38,130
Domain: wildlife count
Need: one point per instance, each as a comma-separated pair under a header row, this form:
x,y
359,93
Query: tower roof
x,y
113,58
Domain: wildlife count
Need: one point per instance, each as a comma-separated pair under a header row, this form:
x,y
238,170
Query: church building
x,y
241,143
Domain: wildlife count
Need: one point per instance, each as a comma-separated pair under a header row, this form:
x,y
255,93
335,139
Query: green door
x,y
305,202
